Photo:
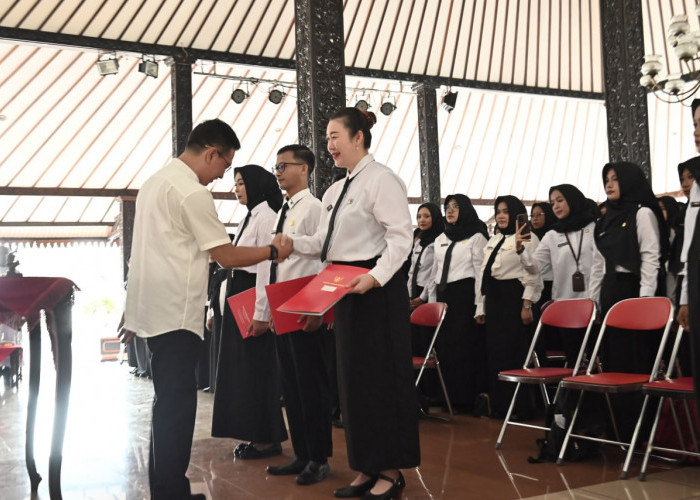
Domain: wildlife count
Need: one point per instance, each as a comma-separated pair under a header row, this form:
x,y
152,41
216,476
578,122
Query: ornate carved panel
x,y
428,143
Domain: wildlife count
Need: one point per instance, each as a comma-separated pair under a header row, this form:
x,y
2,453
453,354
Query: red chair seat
x,y
535,375
418,362
607,382
677,387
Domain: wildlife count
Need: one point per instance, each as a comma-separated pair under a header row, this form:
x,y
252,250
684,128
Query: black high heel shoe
x,y
356,491
397,485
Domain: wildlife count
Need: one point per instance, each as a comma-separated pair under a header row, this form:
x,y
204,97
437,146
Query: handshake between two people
x,y
284,245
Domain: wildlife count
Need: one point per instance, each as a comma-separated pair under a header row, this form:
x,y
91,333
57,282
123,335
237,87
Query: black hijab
x,y
692,165
515,207
260,185
549,218
580,211
428,236
468,222
619,226
673,211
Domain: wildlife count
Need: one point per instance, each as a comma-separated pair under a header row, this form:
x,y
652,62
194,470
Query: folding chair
x,y
639,314
570,313
671,388
432,315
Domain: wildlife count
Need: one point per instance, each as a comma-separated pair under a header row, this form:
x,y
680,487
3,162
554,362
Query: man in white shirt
x,y
302,354
176,229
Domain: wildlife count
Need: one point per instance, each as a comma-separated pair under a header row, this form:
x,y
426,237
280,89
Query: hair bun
x,y
370,117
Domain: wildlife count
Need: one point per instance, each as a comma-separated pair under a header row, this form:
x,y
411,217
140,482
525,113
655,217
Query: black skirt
x,y
375,378
507,342
247,398
460,346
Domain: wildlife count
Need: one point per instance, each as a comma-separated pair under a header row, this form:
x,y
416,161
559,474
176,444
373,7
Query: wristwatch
x,y
273,252
522,249
527,306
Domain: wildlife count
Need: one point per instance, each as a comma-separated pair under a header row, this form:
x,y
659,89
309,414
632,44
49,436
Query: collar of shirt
x,y
184,168
257,208
361,165
297,197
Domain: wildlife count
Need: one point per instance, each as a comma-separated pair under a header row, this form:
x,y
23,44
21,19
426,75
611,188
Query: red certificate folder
x,y
279,293
243,308
323,291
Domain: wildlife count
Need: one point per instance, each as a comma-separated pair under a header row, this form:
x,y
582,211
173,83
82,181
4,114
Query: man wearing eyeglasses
x,y
176,229
302,354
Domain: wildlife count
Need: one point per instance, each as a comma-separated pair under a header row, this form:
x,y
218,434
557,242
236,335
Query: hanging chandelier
x,y
685,45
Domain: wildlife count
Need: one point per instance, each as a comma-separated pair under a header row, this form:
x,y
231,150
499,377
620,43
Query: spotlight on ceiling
x,y
362,105
149,67
387,108
240,95
449,100
108,66
275,96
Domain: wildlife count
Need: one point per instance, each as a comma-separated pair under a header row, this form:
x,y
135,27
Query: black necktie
x,y
326,244
414,278
280,225
489,265
242,228
446,268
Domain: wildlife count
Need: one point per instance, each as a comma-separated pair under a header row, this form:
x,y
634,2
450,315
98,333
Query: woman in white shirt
x,y
631,238
430,225
510,285
542,218
455,280
366,223
246,400
568,252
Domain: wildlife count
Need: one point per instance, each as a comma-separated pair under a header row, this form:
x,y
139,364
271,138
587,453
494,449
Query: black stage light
x,y
108,66
238,96
449,100
275,96
149,68
362,105
387,108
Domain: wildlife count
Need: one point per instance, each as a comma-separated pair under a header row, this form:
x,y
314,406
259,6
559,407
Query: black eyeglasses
x,y
228,164
282,165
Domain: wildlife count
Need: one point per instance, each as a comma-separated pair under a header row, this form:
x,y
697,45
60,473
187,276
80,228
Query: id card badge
x,y
578,282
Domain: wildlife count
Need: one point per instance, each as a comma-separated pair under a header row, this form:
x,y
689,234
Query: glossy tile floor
x,y
106,450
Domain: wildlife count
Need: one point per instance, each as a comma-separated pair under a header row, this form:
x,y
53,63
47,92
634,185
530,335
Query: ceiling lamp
x,y
149,67
388,107
275,96
449,100
239,95
109,65
675,87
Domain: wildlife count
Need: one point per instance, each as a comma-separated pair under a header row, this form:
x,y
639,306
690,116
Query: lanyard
x,y
580,242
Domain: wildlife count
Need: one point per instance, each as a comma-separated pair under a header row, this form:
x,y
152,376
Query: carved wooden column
x,y
625,99
320,61
181,102
428,143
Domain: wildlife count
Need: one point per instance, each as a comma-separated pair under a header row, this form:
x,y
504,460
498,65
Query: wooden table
x,y
21,301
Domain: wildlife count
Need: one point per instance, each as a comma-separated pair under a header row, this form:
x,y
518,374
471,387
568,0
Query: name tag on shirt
x,y
562,244
695,203
329,208
445,245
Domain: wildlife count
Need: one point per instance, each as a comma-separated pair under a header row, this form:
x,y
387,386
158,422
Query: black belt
x,y
367,264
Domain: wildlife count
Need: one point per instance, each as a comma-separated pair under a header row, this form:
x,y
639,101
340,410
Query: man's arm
x,y
229,256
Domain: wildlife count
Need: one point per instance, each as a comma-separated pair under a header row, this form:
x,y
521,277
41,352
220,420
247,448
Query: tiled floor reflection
x,y
105,455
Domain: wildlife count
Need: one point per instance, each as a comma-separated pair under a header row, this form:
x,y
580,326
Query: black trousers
x,y
173,366
307,392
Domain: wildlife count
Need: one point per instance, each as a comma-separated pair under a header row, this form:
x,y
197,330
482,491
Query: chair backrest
x,y
565,313
429,314
569,313
643,313
634,315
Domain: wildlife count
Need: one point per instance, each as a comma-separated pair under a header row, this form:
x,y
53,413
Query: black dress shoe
x,y
293,467
238,449
252,453
357,490
397,485
314,472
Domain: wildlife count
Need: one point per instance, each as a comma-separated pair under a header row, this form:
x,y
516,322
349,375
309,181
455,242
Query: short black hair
x,y
301,153
215,133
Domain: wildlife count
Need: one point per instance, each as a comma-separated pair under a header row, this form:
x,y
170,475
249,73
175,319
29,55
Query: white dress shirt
x,y
554,254
425,269
508,265
176,225
466,262
373,220
648,240
691,213
302,219
257,234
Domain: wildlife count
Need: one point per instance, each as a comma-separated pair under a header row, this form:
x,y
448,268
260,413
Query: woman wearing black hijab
x,y
430,225
568,252
455,280
632,240
247,397
671,210
510,285
541,219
